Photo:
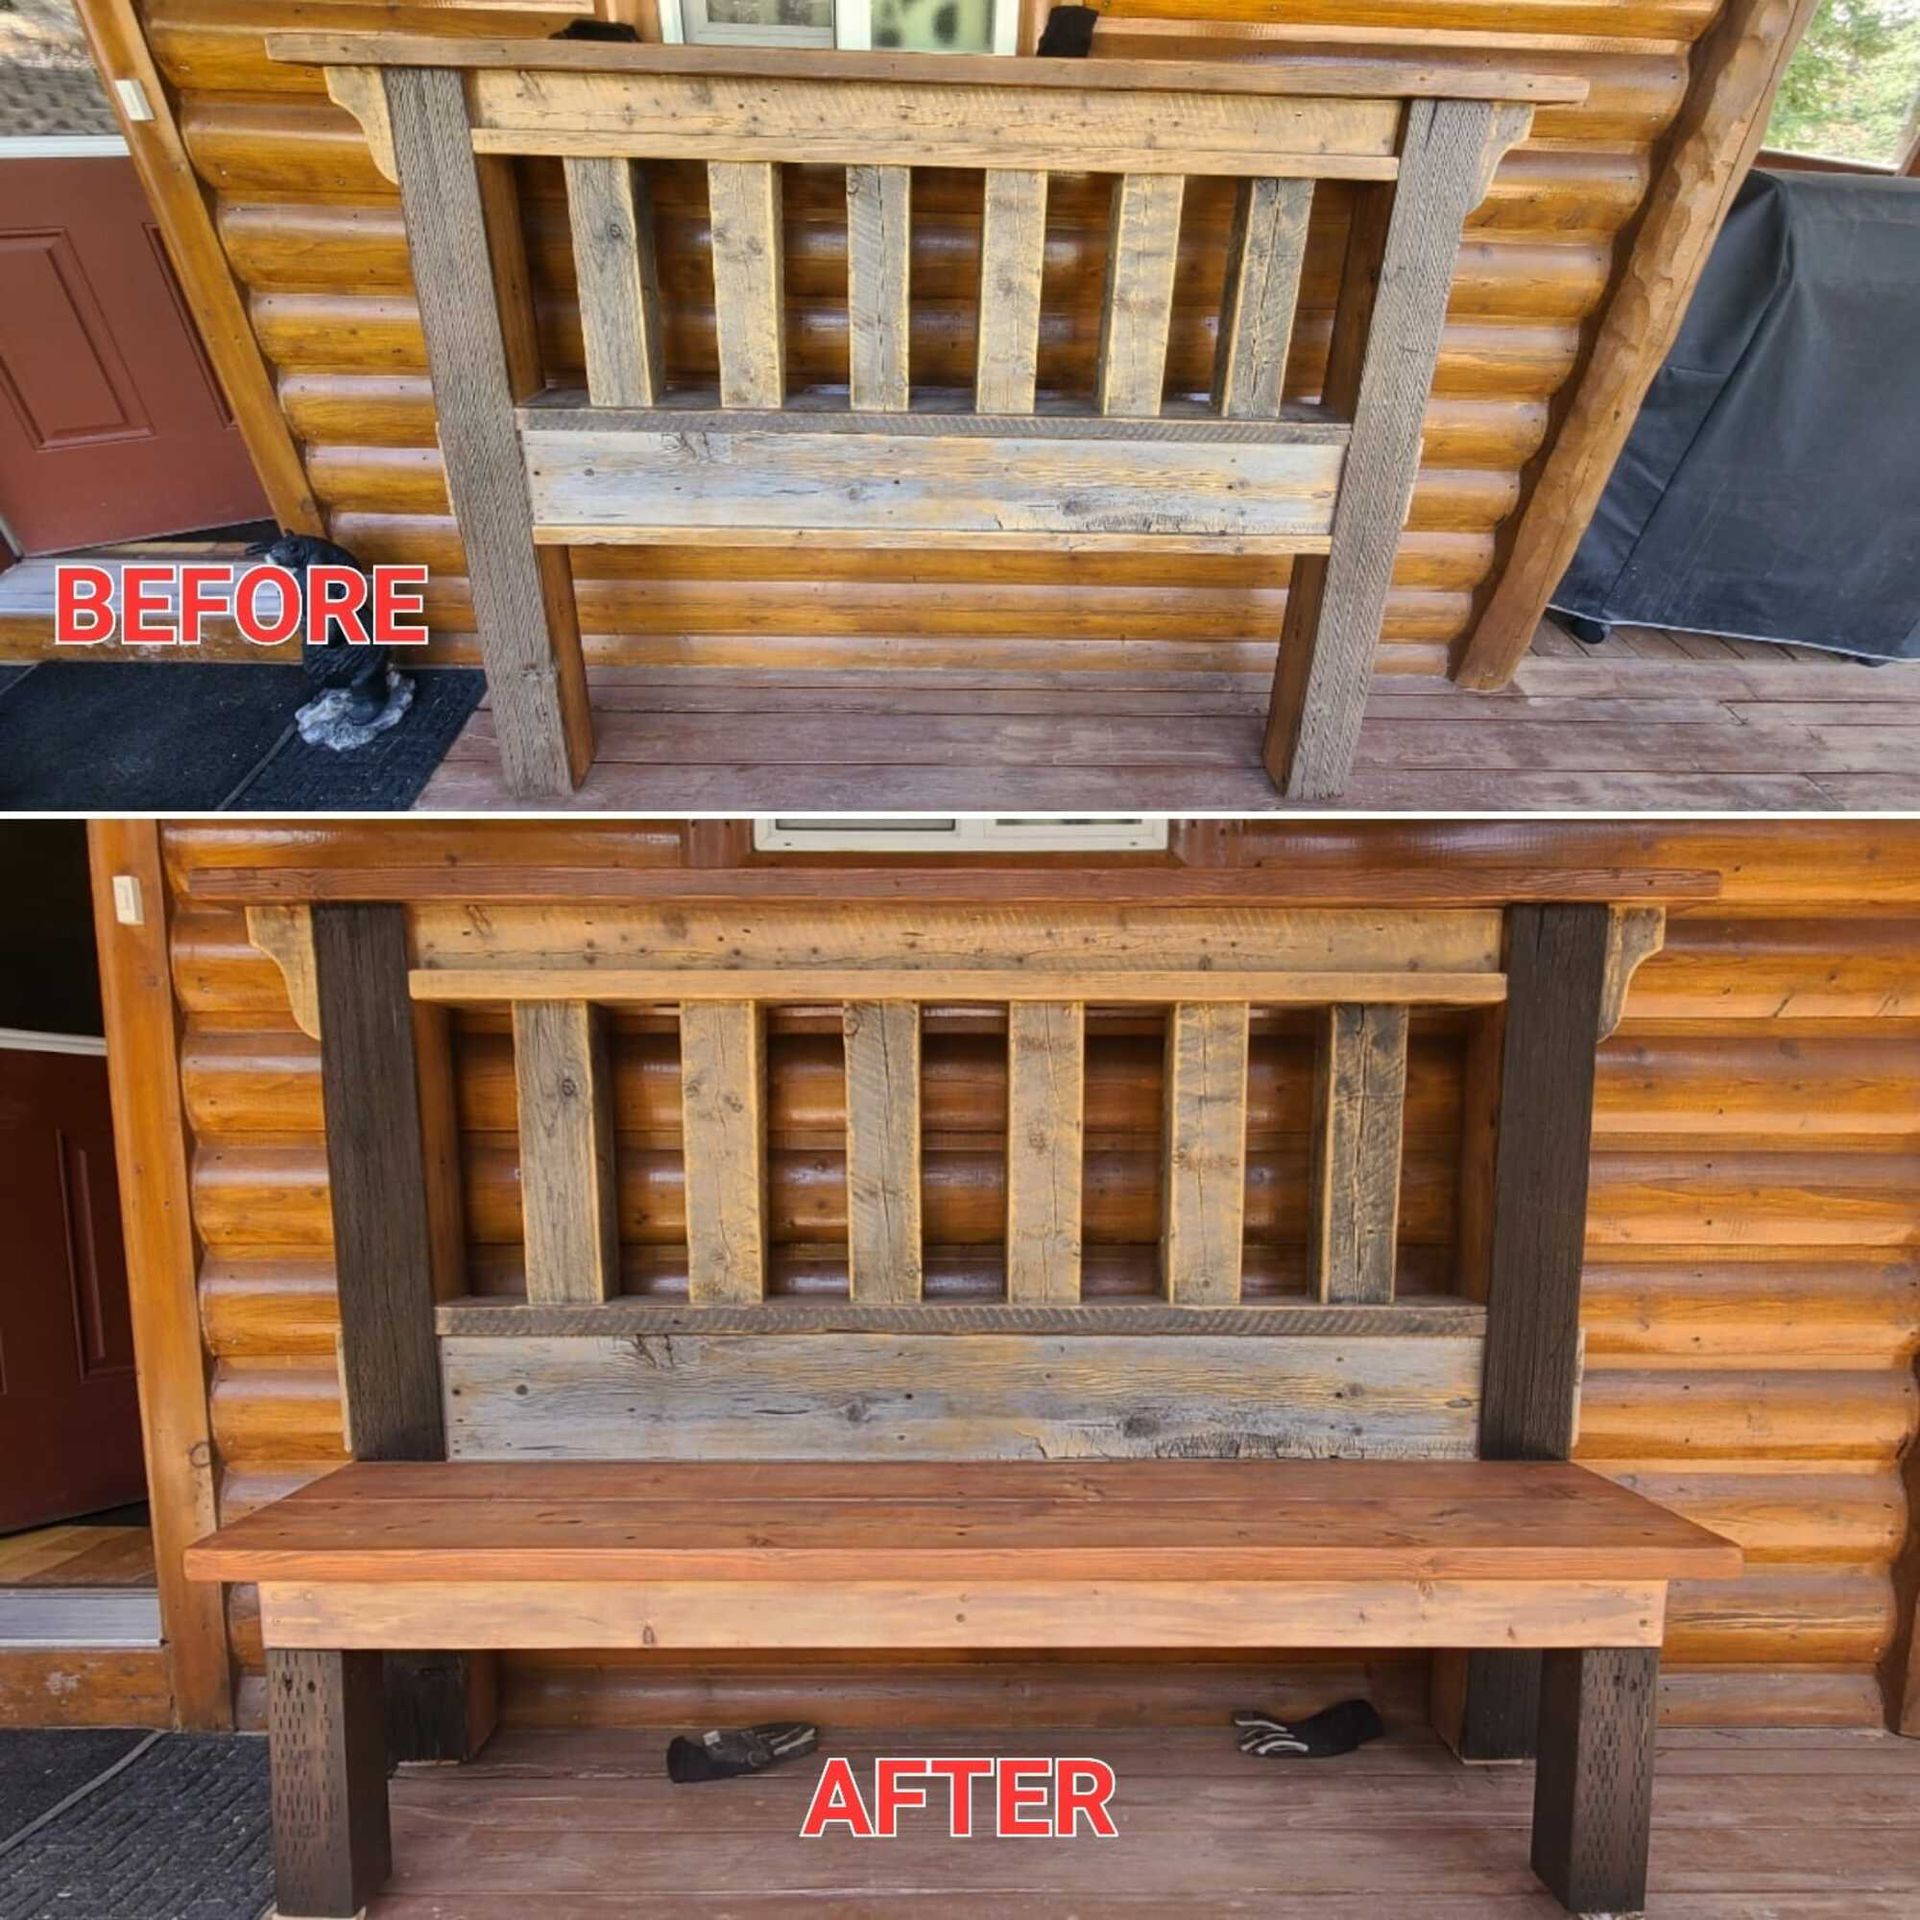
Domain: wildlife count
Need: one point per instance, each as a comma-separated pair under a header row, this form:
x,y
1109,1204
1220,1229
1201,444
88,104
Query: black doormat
x,y
176,1831
130,736
40,1769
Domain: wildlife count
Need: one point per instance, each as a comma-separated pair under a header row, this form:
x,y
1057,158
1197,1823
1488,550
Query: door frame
x,y
131,927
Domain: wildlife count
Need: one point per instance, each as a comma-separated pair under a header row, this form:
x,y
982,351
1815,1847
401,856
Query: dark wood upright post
x,y
1535,1223
388,1112
1593,1791
326,1736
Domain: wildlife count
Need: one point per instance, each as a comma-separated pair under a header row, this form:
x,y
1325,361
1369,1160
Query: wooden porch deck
x,y
1747,1826
1649,721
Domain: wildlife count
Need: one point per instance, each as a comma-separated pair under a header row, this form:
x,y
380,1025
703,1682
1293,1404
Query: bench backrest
x,y
859,1355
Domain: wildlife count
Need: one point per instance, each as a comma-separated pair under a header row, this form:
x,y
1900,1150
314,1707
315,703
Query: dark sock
x,y
1068,34
723,1753
1336,1729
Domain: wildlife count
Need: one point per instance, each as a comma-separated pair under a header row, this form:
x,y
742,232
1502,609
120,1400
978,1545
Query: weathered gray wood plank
x,y
1046,1095
1264,252
568,1191
878,244
960,1397
723,1075
1359,1111
522,598
612,220
1013,247
884,1252
1203,1201
1386,335
749,281
1143,242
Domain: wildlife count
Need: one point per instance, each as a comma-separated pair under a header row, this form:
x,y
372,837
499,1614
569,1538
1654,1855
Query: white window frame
x,y
961,833
852,28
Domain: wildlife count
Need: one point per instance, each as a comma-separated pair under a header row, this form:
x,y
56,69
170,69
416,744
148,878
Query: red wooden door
x,y
69,1415
112,425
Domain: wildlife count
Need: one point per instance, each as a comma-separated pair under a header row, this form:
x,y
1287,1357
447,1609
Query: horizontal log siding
x,y
314,236
1753,1304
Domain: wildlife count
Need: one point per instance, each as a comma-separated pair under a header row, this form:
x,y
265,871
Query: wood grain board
x,y
1237,1519
958,1396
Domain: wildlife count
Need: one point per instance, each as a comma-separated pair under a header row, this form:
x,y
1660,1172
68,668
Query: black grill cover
x,y
1770,489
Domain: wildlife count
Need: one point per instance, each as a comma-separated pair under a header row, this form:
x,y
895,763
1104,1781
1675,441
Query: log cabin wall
x,y
314,240
1752,1298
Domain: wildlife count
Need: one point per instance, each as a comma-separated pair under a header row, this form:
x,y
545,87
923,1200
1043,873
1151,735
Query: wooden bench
x,y
889,460
1248,1447
883,1555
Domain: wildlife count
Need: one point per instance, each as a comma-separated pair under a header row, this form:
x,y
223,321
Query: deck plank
x,y
1649,720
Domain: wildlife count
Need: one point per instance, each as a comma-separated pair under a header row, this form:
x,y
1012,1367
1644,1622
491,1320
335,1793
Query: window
x,y
911,26
996,833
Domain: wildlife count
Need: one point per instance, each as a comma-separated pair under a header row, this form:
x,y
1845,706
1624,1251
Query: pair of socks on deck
x,y
724,1753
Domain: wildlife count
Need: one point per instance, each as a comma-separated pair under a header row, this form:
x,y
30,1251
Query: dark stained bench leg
x,y
326,1731
1593,1789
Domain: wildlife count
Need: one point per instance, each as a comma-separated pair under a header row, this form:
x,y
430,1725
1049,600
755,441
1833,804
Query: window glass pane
x,y
934,26
817,14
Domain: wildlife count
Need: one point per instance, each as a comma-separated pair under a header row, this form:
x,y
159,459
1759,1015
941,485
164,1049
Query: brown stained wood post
x,y
332,1845
1387,326
522,595
1593,1790
1536,1224
387,1181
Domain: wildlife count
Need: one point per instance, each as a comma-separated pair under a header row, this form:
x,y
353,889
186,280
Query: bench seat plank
x,y
943,1612
1525,1522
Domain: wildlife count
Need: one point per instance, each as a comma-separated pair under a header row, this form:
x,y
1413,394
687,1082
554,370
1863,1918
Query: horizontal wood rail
x,y
531,473
781,880
622,986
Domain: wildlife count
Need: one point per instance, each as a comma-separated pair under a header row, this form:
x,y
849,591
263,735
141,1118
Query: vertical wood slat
x,y
879,234
723,1076
884,1249
568,1189
523,601
749,281
1264,253
1556,966
1143,242
1387,325
1203,1201
1013,248
332,1844
1046,1097
1359,1114
611,215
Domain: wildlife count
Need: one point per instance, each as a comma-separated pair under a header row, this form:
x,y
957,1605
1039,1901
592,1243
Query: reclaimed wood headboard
x,y
724,1356
533,471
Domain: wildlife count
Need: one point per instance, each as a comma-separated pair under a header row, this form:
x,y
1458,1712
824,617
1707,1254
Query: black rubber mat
x,y
386,774
178,1833
130,736
40,1769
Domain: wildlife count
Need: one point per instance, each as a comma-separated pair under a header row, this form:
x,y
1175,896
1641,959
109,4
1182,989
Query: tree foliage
x,y
1852,85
